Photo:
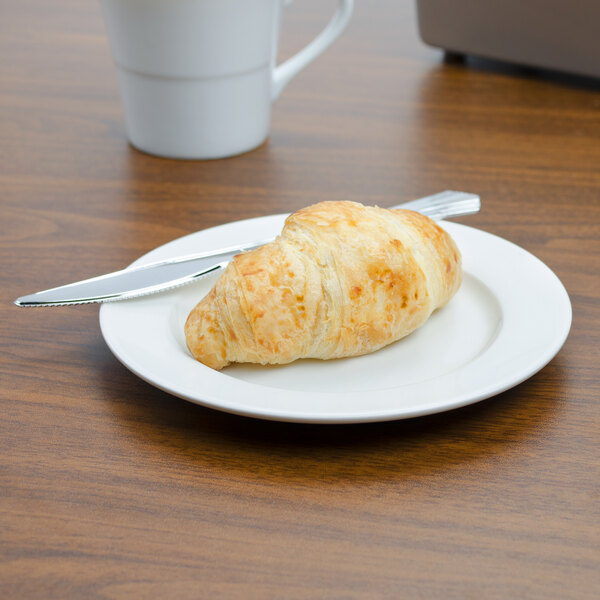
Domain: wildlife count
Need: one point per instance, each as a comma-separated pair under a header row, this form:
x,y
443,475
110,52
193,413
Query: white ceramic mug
x,y
198,77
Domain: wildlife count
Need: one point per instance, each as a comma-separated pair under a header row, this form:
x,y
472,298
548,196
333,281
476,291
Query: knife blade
x,y
134,282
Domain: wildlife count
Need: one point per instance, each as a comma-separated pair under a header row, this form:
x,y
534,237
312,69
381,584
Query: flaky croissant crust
x,y
341,280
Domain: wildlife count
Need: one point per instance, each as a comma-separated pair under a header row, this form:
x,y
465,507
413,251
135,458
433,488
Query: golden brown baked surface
x,y
342,279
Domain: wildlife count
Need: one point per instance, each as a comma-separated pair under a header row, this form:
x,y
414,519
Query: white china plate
x,y
508,320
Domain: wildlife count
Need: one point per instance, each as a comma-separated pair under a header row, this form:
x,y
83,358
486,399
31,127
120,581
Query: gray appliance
x,y
555,34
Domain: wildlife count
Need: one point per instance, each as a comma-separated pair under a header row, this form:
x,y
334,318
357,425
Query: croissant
x,y
341,280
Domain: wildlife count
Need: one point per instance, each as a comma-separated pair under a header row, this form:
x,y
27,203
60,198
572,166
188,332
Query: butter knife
x,y
151,278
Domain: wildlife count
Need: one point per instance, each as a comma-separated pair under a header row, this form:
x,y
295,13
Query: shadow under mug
x,y
198,77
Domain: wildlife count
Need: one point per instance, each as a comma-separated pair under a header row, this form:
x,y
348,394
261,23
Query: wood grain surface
x,y
113,489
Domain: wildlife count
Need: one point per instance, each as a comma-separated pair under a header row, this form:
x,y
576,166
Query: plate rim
x,y
218,403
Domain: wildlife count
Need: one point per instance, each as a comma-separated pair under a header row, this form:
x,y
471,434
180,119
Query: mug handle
x,y
287,70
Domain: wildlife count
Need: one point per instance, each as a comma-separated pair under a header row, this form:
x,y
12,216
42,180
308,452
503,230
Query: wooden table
x,y
113,489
